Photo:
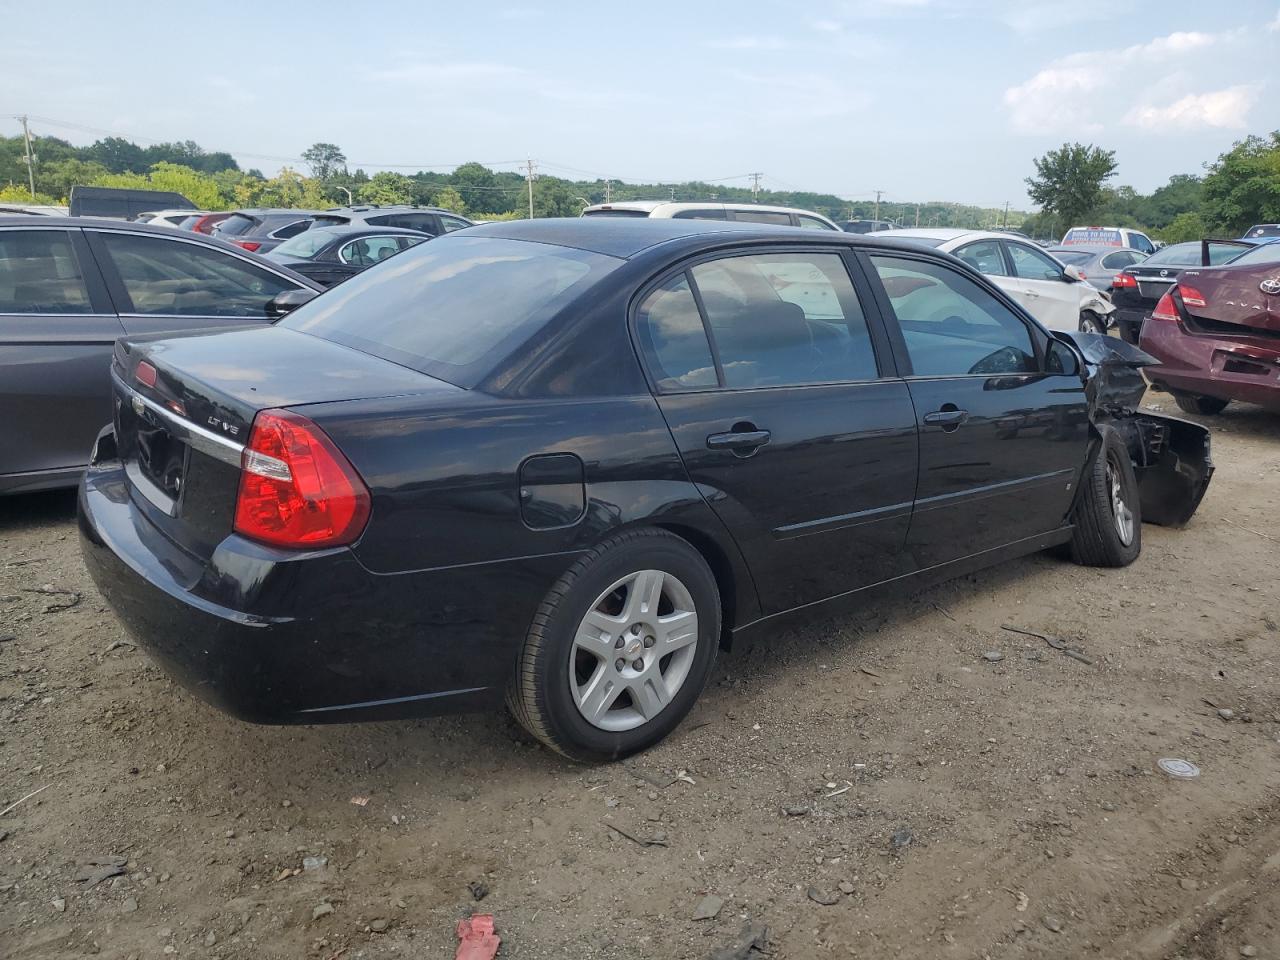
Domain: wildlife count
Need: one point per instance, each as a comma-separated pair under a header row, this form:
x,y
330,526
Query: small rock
x,y
708,907
612,803
993,656
164,878
130,905
380,925
210,939
314,863
1225,714
60,905
825,898
230,834
161,768
169,948
1108,806
1186,883
1248,950
479,889
902,839
322,910
1051,923
286,803
796,810
845,886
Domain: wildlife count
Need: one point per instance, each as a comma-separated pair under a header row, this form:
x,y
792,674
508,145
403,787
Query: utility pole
x,y
917,214
673,193
877,213
529,164
30,158
608,191
755,186
1004,224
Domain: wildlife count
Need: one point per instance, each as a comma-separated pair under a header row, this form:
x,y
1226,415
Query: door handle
x,y
948,418
741,442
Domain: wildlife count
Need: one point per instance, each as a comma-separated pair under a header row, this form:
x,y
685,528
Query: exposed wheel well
x,y
721,568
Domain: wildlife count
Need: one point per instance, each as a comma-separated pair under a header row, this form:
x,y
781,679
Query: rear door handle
x,y
947,419
744,442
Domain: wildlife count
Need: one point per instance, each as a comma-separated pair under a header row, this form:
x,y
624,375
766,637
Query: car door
x,y
782,397
56,333
1002,440
1047,293
162,284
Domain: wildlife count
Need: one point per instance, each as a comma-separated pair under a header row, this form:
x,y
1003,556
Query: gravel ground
x,y
882,785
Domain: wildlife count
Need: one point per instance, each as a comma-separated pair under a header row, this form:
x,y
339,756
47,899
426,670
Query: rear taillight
x,y
1191,296
296,487
1123,281
250,245
1165,309
145,374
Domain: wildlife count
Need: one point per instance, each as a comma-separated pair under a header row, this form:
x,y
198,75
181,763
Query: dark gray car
x,y
259,229
1098,264
68,288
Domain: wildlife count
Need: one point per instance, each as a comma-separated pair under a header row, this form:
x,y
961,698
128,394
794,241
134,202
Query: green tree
x,y
1243,187
57,178
20,193
553,197
1185,226
449,199
326,160
480,188
1068,181
386,187
200,188
118,155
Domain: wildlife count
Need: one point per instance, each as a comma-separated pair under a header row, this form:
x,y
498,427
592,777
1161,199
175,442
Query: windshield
x,y
1265,253
453,307
305,245
1263,230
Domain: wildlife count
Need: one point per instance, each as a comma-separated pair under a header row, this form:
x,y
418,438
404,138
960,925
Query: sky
x,y
921,99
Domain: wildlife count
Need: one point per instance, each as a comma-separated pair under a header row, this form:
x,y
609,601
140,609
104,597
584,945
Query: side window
x,y
1031,264
367,251
953,327
39,273
673,338
1118,261
383,221
1139,242
171,277
422,222
762,216
406,242
291,229
450,224
984,256
707,214
780,319
811,223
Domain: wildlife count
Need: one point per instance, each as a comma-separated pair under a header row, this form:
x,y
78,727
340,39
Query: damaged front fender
x,y
1171,456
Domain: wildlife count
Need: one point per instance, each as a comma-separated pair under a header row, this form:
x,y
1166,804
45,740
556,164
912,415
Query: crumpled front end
x,y
1171,456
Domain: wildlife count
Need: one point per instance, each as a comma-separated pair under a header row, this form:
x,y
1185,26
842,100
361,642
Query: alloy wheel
x,y
1120,511
633,650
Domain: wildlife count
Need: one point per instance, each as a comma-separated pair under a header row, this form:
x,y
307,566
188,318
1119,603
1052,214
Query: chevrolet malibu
x,y
562,463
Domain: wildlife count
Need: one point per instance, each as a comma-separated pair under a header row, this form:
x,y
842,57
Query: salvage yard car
x,y
329,255
560,463
710,210
1216,333
68,288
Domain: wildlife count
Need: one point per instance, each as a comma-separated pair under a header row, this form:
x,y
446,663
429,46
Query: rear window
x,y
1108,238
453,307
1263,230
305,244
1177,255
1077,257
235,225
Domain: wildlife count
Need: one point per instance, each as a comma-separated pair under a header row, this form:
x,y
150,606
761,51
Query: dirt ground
x,y
943,804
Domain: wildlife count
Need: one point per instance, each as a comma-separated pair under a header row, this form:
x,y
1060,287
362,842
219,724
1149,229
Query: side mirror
x,y
1072,273
1060,358
290,300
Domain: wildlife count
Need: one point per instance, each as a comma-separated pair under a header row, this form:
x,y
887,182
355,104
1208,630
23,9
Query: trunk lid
x,y
1245,296
181,432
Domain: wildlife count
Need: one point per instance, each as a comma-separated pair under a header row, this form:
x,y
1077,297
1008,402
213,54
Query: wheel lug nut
x,y
649,641
619,664
638,664
619,642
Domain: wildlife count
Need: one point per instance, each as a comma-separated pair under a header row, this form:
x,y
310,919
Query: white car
x,y
1056,295
700,210
167,218
1109,237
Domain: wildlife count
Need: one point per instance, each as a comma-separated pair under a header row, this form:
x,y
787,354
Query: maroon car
x,y
1216,334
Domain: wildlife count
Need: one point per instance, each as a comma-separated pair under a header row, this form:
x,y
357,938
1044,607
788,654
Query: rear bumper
x,y
340,644
1236,368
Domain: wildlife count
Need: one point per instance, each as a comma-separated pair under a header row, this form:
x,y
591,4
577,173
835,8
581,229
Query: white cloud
x,y
1076,94
1226,109
749,43
1274,25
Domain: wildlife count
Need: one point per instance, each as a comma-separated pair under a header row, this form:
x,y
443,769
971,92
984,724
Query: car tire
x,y
596,648
1091,322
1205,406
1108,515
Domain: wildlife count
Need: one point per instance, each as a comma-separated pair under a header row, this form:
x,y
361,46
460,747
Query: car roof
x,y
386,208
1097,248
648,206
173,211
627,237
942,233
361,229
275,211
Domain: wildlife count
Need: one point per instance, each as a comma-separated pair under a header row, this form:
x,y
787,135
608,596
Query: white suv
x,y
698,210
1109,237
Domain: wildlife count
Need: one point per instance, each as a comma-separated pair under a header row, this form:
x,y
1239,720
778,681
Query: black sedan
x,y
69,287
1137,289
329,255
562,463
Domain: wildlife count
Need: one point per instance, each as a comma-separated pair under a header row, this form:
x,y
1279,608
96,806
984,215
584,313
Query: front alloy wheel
x,y
1119,508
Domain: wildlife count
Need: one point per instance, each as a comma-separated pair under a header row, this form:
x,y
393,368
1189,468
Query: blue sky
x,y
923,99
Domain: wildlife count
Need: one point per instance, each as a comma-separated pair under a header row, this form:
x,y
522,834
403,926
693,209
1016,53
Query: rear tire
x,y
1108,515
619,649
1205,406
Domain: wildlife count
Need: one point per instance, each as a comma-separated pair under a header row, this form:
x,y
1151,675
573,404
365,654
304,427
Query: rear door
x,y
1043,288
1002,441
56,332
784,402
162,284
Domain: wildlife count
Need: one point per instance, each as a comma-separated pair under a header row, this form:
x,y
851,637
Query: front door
x,y
1001,440
766,370
56,334
1041,286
